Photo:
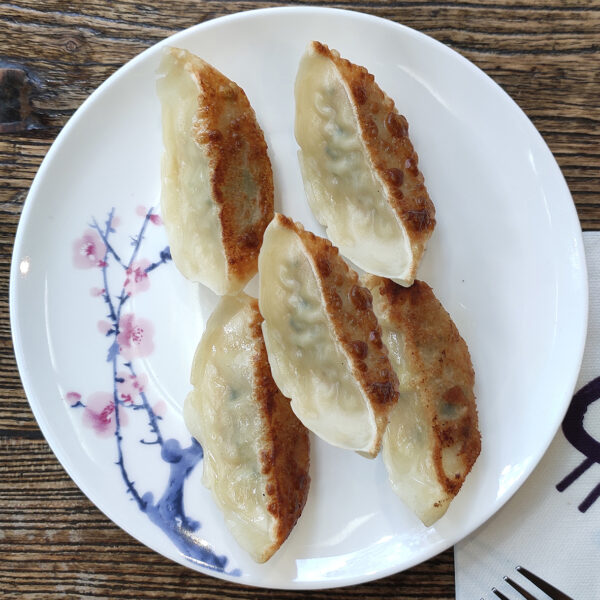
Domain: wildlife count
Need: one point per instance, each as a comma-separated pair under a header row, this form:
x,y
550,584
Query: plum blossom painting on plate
x,y
105,327
130,337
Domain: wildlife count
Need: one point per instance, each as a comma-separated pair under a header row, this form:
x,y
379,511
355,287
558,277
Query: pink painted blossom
x,y
135,336
99,414
136,277
104,327
160,408
142,211
116,221
95,291
89,250
130,386
73,398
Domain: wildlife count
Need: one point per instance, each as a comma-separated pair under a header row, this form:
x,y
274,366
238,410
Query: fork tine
x,y
499,594
519,589
545,587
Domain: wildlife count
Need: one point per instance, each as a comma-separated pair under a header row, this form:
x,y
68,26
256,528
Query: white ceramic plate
x,y
506,260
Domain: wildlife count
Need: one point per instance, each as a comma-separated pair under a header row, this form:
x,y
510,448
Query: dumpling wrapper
x,y
359,167
432,440
256,452
323,340
217,183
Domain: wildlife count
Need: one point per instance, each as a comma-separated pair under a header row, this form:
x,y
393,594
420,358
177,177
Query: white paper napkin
x,y
551,526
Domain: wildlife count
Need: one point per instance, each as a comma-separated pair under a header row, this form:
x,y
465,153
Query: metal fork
x,y
542,585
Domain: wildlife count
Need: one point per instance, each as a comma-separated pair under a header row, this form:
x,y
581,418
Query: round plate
x,y
506,260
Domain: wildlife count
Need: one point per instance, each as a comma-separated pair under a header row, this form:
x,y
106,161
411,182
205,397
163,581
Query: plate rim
x,y
574,228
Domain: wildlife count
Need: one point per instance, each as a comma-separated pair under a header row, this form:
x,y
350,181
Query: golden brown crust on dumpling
x,y
285,459
349,308
385,134
242,180
441,370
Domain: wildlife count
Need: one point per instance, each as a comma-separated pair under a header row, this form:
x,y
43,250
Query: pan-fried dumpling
x,y
217,184
433,439
256,452
323,340
359,167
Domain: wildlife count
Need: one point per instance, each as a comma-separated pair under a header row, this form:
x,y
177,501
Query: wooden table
x,y
53,54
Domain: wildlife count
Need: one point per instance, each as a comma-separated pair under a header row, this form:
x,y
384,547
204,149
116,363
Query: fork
x,y
542,585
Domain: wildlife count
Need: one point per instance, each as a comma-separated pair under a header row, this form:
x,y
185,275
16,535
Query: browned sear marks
x,y
241,176
286,457
349,308
441,372
385,134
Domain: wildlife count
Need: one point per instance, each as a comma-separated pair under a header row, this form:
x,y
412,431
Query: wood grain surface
x,y
53,542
